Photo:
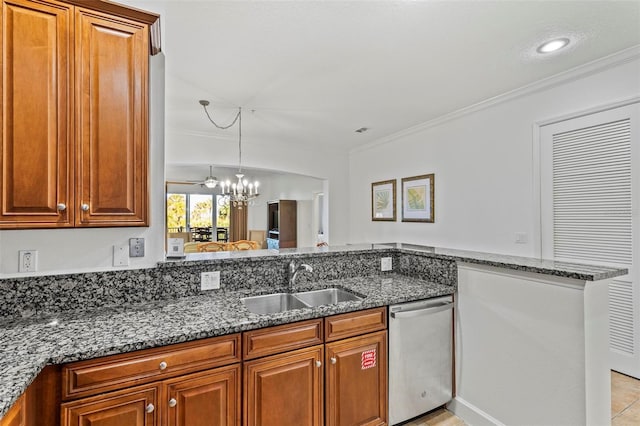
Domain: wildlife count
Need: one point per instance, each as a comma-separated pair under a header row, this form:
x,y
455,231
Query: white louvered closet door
x,y
590,188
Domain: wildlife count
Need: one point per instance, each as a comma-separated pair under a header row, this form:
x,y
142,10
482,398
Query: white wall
x,y
483,165
327,167
531,349
79,250
283,187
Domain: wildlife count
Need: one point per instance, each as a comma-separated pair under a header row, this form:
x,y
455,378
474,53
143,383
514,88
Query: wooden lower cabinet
x,y
356,381
207,398
285,389
210,398
16,414
131,407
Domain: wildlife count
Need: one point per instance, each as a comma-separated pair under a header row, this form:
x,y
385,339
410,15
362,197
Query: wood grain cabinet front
x,y
285,389
351,377
130,407
36,152
111,120
207,398
16,414
281,338
356,381
85,378
74,140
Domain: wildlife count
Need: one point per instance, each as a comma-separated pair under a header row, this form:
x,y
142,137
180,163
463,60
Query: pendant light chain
x,y
239,117
242,192
205,104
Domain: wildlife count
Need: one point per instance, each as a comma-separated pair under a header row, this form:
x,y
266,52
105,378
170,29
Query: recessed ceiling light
x,y
553,45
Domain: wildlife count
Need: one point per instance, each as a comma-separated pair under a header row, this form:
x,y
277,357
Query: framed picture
x,y
417,199
383,200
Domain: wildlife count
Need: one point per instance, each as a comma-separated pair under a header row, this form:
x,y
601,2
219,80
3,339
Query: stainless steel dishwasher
x,y
420,357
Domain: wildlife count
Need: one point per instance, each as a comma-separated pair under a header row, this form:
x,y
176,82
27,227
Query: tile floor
x,y
625,406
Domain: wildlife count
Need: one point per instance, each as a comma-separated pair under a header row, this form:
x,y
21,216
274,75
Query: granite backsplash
x,y
45,295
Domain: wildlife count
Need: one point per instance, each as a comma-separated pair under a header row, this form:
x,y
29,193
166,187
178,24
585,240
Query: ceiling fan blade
x,y
185,182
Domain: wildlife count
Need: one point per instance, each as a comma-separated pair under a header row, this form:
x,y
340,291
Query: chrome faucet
x,y
295,270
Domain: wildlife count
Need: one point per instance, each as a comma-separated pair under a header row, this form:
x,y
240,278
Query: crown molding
x,y
593,67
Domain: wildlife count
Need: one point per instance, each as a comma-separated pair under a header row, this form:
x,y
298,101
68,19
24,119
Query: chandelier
x,y
240,193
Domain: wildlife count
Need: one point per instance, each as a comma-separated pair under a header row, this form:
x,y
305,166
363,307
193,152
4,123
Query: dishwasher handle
x,y
443,306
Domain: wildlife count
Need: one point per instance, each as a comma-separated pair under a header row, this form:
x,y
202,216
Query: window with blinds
x,y
592,211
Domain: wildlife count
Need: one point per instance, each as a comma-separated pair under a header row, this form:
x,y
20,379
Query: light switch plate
x,y
210,280
521,238
121,255
136,247
386,264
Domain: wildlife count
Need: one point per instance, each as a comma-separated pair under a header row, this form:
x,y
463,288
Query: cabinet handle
x,y
333,360
150,408
163,365
85,207
62,207
318,364
173,402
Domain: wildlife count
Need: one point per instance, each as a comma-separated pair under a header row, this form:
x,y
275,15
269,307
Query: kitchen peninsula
x,y
522,325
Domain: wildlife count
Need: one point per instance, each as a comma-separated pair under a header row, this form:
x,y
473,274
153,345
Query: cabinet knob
x,y
173,402
85,207
150,408
163,365
333,360
318,364
62,207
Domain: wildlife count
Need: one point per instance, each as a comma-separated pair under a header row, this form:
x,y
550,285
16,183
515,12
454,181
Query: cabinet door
x,y
35,144
15,415
209,398
133,407
111,120
285,389
356,371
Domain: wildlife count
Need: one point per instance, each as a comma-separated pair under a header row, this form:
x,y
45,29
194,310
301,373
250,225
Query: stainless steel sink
x,y
273,303
326,296
280,302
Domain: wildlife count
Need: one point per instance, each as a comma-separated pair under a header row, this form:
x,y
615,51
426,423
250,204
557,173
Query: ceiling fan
x,y
210,181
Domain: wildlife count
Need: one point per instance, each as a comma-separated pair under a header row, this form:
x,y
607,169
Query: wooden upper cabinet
x,y
36,111
111,115
74,142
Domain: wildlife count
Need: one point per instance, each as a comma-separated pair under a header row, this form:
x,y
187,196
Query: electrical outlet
x,y
386,264
210,280
136,247
121,255
28,260
521,238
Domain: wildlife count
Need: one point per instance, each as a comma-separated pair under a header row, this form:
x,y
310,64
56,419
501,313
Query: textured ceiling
x,y
311,72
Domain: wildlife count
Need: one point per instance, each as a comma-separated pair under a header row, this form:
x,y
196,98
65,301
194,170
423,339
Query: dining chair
x,y
213,246
244,245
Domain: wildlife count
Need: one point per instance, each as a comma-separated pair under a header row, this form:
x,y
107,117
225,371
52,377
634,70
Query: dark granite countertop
x,y
27,345
579,271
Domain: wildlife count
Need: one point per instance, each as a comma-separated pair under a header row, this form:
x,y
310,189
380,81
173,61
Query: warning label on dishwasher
x,y
368,359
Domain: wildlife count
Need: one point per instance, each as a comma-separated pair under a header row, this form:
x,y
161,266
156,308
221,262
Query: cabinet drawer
x,y
281,338
355,323
115,372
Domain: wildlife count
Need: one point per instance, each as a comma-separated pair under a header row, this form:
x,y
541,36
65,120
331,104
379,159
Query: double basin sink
x,y
280,302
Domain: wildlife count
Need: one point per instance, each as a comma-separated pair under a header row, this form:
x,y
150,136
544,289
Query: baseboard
x,y
471,414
